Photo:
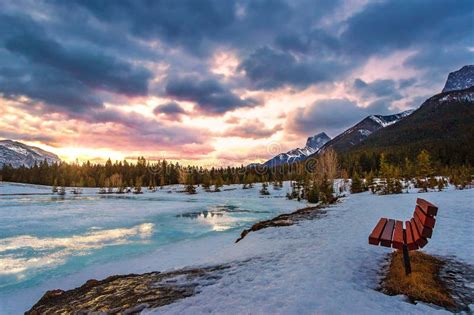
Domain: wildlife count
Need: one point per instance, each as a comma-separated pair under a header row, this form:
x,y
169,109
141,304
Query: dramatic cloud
x,y
59,76
93,69
331,116
209,95
187,23
160,74
267,69
391,25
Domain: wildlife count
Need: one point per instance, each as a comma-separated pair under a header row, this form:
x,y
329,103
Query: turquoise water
x,y
43,237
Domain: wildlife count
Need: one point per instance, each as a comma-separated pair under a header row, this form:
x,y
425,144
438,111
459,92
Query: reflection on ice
x,y
220,218
20,253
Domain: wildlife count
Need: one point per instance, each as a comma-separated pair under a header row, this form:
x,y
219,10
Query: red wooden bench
x,y
390,233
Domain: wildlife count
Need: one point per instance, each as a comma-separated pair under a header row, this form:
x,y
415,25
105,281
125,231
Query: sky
x,y
216,82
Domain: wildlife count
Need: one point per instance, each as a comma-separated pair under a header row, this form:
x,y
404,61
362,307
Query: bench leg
x,y
406,260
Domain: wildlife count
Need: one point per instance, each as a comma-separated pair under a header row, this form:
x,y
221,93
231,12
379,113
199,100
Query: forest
x,y
311,179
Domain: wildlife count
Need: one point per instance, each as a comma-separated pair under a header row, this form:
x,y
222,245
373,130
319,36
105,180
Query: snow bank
x,y
326,266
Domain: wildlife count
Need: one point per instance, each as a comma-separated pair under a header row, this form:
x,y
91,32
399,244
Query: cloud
x,y
59,92
171,111
209,95
267,68
81,59
93,69
377,88
254,129
184,23
390,25
436,63
331,116
67,77
137,130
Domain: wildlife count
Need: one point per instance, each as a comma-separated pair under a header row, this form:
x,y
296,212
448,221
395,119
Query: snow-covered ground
x,y
323,266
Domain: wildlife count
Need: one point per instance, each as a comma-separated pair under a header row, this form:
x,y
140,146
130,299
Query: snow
x,y
17,149
323,266
364,132
388,120
319,268
465,97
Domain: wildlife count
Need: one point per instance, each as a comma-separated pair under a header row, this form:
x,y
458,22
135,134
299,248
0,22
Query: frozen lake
x,y
46,238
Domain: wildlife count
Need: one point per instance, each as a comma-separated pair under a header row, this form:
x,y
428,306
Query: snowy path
x,y
315,268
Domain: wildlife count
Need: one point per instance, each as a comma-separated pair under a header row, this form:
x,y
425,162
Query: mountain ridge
x,y
443,125
19,154
362,130
313,144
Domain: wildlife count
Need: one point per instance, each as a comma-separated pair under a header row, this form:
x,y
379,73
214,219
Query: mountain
x,y
363,130
313,144
460,80
443,125
18,154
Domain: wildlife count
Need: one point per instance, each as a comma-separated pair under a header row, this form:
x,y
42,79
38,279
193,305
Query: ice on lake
x,y
46,237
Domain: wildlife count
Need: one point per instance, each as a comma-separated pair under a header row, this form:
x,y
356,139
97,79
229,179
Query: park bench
x,y
391,233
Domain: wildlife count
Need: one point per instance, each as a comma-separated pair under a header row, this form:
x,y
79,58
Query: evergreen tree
x,y
313,193
423,164
357,185
190,189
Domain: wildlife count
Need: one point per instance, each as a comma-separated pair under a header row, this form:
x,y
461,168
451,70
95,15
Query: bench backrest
x,y
422,224
390,233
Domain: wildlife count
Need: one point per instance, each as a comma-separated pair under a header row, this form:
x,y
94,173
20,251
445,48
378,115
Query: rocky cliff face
x,y
460,80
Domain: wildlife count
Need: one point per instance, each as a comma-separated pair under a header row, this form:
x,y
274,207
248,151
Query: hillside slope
x,y
362,130
444,125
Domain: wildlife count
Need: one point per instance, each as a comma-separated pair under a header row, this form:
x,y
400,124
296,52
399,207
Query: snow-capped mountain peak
x,y
18,154
460,80
313,144
362,130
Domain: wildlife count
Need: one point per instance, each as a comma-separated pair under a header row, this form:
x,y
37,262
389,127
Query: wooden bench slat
x,y
410,240
426,220
390,233
386,238
398,235
374,237
427,207
420,241
424,231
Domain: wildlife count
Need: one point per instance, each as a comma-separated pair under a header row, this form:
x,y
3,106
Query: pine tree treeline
x,y
393,178
123,174
307,176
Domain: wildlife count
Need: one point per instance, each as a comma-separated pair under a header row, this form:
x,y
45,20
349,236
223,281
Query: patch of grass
x,y
423,284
